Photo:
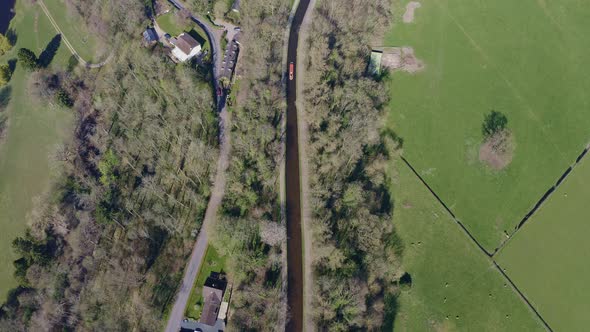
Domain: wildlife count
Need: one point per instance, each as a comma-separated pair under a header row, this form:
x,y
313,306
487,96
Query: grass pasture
x,y
455,287
33,131
73,26
547,257
527,59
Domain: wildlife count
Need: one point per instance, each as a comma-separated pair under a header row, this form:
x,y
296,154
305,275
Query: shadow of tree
x,y
391,308
48,54
11,35
12,66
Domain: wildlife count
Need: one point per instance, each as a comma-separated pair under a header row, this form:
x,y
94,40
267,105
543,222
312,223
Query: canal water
x,y
6,14
293,187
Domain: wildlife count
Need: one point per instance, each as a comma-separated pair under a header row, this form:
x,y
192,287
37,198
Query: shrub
x,y
28,59
494,122
64,99
5,44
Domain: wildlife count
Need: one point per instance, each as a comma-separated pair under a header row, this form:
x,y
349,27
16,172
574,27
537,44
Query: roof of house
x,y
192,326
186,43
211,308
150,35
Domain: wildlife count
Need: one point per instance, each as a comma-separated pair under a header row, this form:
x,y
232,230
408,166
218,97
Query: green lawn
x,y
527,59
451,277
168,23
547,258
211,263
85,42
33,131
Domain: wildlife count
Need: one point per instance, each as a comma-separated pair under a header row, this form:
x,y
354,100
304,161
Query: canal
x,y
293,186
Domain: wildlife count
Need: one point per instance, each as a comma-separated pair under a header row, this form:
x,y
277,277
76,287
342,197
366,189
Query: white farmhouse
x,y
186,47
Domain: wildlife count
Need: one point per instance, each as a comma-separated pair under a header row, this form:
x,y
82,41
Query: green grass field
x,y
85,42
211,263
527,59
547,257
450,276
168,23
33,131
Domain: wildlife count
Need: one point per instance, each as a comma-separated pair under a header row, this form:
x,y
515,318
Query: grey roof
x,y
211,306
186,43
150,35
192,326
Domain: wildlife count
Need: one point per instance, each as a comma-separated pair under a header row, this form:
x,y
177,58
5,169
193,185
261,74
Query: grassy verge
x,y
211,263
454,286
546,257
33,131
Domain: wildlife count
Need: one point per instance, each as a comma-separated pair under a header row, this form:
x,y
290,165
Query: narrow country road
x,y
295,277
198,253
67,42
190,274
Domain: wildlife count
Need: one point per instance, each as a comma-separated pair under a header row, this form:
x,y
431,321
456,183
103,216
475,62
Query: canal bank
x,y
293,185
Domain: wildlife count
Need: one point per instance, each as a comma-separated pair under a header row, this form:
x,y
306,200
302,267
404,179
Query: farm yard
x,y
485,56
547,257
454,286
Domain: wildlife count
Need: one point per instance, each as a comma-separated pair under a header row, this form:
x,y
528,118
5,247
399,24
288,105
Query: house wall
x,y
180,55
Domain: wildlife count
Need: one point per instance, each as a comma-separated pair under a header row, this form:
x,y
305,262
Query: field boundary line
x,y
482,249
543,199
457,221
522,296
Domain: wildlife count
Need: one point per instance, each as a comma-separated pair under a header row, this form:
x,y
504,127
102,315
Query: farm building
x,y
375,63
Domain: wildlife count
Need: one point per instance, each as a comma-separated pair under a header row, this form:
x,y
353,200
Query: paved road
x,y
190,274
198,253
67,42
293,186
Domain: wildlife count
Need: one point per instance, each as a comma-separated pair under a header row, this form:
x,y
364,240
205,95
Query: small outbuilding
x,y
150,35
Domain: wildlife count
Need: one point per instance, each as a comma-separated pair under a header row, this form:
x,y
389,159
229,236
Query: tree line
x,y
107,246
356,253
251,228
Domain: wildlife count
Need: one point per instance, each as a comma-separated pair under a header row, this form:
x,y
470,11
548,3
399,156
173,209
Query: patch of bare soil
x,y
497,150
401,58
410,9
